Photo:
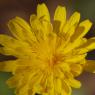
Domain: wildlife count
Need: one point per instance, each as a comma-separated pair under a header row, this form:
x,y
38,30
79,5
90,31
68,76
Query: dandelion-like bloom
x,y
49,56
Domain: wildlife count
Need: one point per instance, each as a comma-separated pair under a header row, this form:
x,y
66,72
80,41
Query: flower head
x,y
49,56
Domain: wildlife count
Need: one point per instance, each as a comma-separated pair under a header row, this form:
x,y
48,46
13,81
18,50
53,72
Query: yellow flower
x,y
49,56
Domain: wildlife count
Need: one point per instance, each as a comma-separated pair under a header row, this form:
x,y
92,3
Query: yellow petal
x,y
9,51
73,45
76,69
9,45
40,27
66,87
37,27
42,12
7,41
87,46
90,66
20,29
58,86
75,59
59,18
50,85
22,22
74,19
23,90
13,81
68,75
74,83
81,30
35,23
13,46
44,93
60,14
52,37
56,26
64,66
8,66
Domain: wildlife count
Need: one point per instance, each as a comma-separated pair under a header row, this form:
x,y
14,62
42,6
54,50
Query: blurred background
x,y
24,8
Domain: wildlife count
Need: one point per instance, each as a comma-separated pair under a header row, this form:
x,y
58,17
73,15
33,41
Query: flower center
x,y
55,59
